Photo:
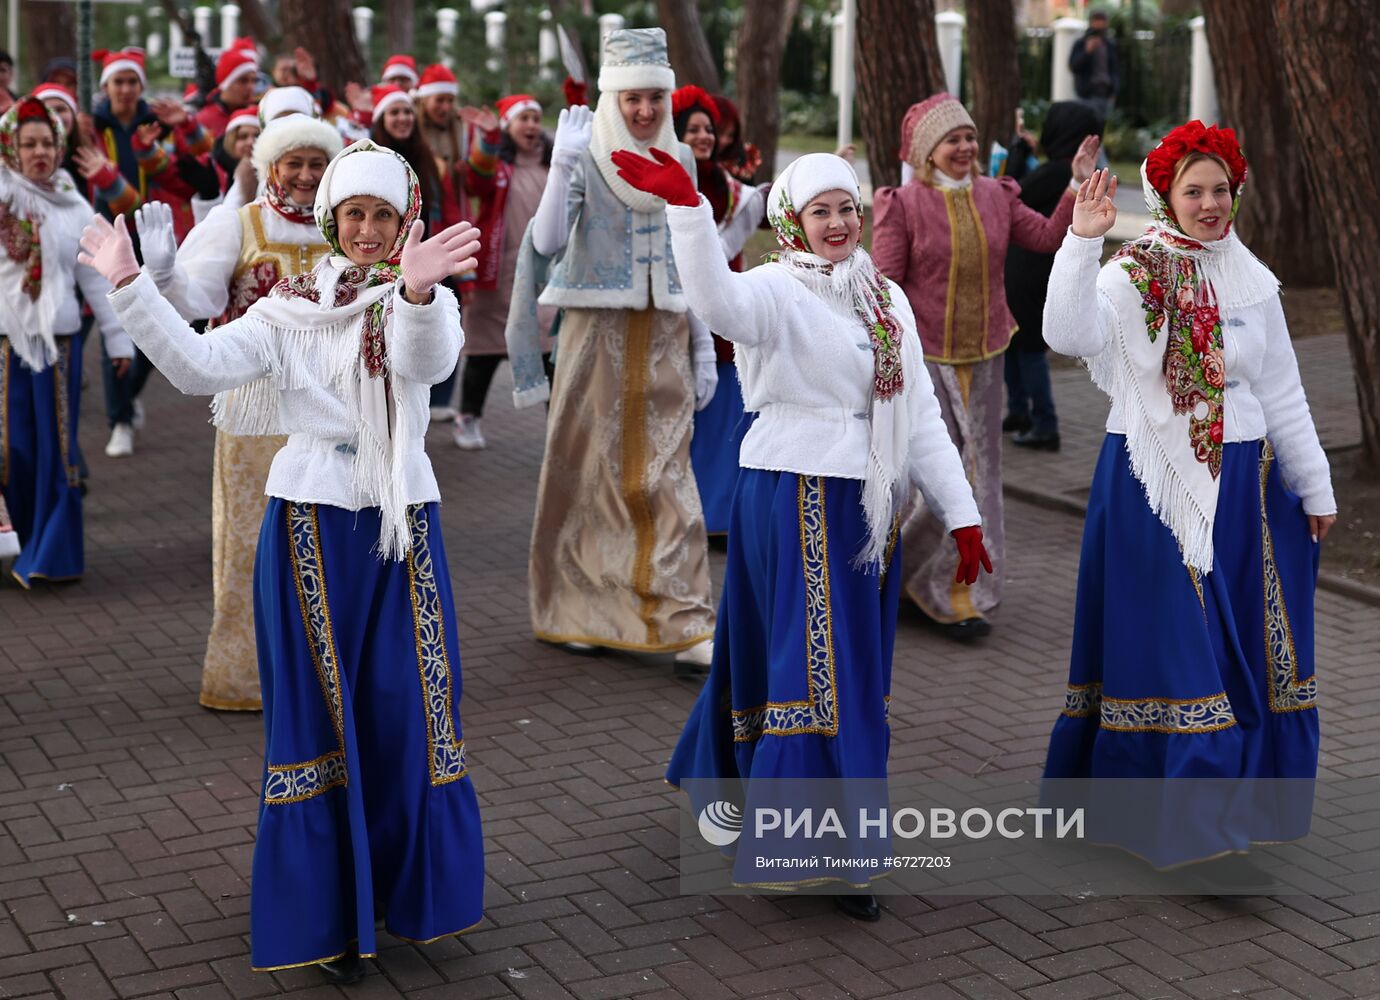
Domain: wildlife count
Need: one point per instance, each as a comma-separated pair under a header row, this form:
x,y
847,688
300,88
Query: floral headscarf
x,y
19,231
1167,268
337,281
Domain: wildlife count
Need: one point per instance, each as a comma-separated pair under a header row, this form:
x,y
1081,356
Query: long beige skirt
x,y
619,552
230,676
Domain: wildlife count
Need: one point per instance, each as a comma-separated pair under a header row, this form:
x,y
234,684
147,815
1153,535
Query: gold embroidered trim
x,y
891,539
1149,715
967,304
818,711
1286,692
445,754
4,411
298,782
636,358
60,407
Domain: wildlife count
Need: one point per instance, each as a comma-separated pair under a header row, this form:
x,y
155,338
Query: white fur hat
x,y
282,135
635,59
281,101
807,177
377,173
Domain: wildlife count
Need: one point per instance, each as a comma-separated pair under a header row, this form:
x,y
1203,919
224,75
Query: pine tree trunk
x,y
325,29
1328,55
49,30
761,43
686,44
402,25
994,70
1244,40
897,66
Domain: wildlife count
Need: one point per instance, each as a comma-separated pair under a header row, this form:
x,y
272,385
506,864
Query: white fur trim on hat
x,y
613,79
392,97
807,177
510,113
246,68
437,87
368,172
282,135
46,92
286,100
119,66
393,69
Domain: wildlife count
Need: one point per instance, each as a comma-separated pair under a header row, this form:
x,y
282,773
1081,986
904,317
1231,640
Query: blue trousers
x,y
1028,390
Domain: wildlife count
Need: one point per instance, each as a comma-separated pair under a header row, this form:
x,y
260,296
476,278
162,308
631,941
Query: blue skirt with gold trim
x,y
1176,675
368,812
40,470
801,676
714,447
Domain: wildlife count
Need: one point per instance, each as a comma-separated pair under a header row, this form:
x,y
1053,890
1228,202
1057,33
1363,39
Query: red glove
x,y
662,176
971,554
575,93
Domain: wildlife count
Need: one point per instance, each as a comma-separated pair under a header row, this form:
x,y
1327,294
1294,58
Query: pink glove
x,y
108,249
971,554
450,252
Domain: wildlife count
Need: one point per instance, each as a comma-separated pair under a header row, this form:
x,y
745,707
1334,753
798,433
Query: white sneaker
x,y
442,414
699,655
138,422
467,433
121,442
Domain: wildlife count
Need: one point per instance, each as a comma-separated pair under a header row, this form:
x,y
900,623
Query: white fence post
x,y
446,21
948,25
229,24
203,19
1202,86
363,18
1067,30
495,25
609,23
845,34
548,48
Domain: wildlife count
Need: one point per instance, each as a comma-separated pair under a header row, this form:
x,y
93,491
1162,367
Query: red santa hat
x,y
510,107
239,60
119,60
386,95
45,91
436,79
400,65
243,116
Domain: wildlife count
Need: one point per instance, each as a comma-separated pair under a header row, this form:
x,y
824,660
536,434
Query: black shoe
x,y
1234,873
966,630
1039,440
1013,423
348,968
859,907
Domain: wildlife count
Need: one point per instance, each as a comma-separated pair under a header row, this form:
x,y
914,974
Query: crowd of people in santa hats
x,y
327,267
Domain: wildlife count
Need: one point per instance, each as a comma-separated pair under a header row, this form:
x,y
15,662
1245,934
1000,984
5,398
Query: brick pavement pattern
x,y
127,812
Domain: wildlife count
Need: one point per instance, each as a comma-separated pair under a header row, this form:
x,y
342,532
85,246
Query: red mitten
x,y
662,176
575,93
972,554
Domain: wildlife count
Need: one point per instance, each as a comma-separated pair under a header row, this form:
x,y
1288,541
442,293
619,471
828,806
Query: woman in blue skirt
x,y
41,218
847,420
1193,636
368,811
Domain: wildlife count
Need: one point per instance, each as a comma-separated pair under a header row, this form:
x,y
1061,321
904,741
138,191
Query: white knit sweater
x,y
806,368
1264,397
317,463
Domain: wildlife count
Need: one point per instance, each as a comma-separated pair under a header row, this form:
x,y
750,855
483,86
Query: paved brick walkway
x,y
127,812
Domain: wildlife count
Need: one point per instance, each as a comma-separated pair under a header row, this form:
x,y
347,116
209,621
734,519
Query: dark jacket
x,y
118,140
1083,65
1027,273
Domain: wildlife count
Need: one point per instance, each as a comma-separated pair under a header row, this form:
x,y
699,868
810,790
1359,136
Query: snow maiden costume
x,y
1193,637
847,420
40,359
230,260
721,424
619,552
367,803
944,241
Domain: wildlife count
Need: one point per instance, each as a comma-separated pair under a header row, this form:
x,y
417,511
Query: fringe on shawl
x,y
1165,491
297,359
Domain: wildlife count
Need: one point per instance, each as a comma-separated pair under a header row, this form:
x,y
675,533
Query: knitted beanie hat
x,y
929,122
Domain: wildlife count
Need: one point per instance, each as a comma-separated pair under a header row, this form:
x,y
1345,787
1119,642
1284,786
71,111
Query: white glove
x,y
157,240
574,130
703,362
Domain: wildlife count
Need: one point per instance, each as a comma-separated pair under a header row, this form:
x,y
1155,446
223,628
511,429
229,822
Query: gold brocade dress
x,y
230,675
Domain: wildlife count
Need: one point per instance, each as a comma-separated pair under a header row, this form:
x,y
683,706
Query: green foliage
x,y
810,114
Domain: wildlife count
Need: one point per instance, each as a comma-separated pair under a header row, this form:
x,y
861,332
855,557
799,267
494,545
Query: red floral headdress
x,y
691,96
1194,137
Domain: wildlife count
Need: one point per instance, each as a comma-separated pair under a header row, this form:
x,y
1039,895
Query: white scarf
x,y
1180,486
59,212
305,344
611,133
